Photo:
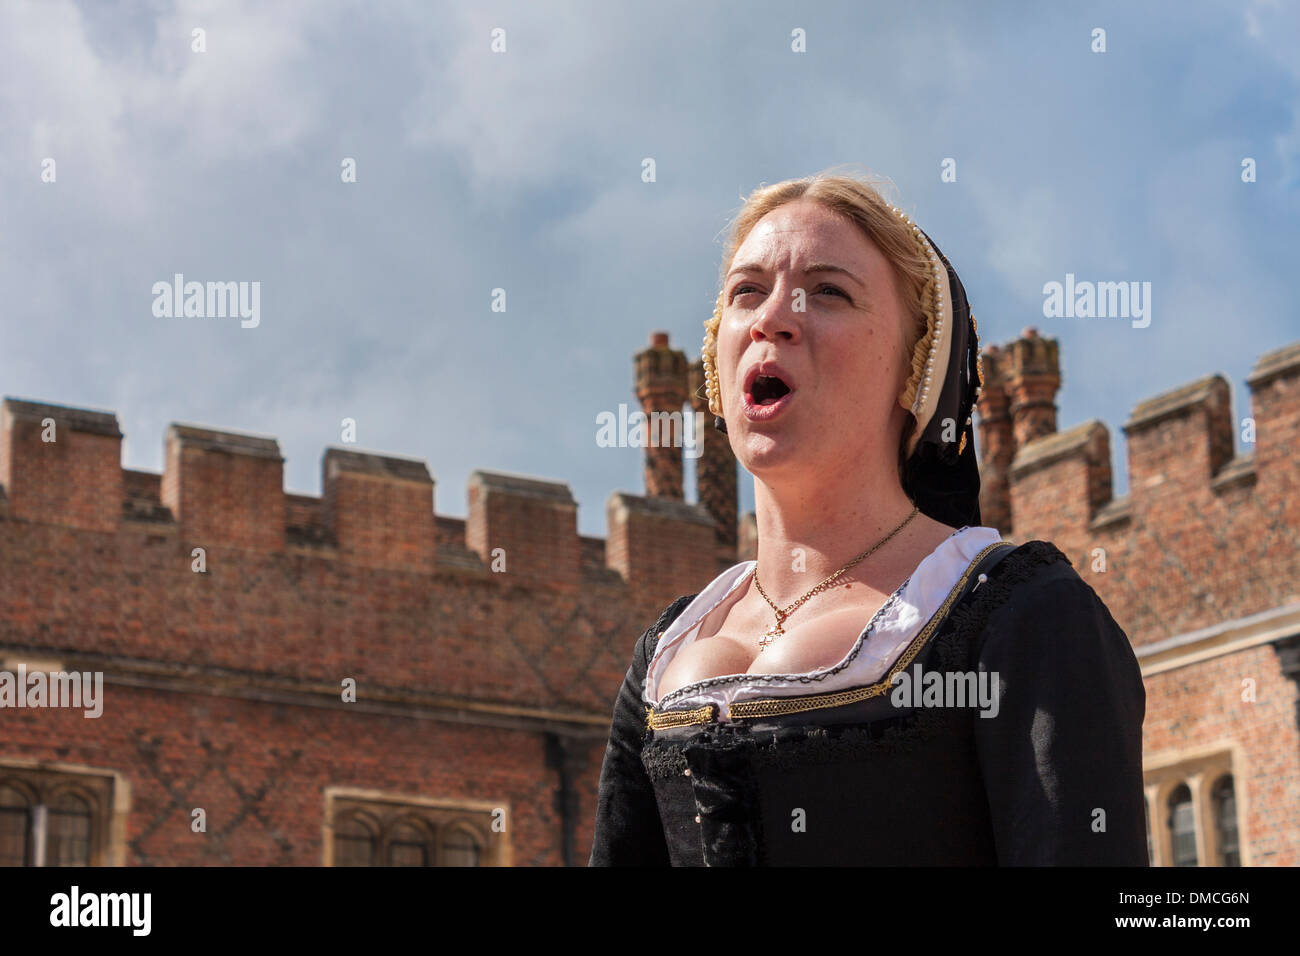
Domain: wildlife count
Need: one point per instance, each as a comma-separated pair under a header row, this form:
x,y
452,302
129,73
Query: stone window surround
x,y
474,815
107,792
1200,768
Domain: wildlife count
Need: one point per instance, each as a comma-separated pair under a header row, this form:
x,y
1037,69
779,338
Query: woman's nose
x,y
778,317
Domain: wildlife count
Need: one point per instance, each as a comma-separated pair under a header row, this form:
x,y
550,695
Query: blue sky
x,y
478,170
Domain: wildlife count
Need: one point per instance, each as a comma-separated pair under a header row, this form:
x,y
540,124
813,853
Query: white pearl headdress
x,y
932,349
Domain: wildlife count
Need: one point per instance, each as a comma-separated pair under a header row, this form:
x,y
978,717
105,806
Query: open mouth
x,y
767,390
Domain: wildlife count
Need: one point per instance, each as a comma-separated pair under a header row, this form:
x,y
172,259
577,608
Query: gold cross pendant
x,y
772,634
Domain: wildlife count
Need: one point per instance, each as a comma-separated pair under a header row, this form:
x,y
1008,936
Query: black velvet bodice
x,y
1054,778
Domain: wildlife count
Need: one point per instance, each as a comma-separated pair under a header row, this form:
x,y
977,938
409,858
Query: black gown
x,y
1055,778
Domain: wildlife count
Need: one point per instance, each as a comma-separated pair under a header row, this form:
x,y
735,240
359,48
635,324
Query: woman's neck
x,y
808,532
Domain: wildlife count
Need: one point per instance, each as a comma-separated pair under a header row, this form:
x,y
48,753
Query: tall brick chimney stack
x,y
1016,405
715,469
661,383
1033,377
997,442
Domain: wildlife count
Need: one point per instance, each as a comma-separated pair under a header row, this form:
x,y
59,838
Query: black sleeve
x,y
1062,758
628,829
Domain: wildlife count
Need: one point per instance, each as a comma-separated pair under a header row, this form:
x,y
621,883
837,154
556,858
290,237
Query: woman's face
x,y
808,291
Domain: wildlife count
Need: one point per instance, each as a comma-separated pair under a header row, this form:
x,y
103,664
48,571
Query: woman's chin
x,y
765,450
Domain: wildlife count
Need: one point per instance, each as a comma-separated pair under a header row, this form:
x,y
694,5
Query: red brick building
x,y
1198,563
353,678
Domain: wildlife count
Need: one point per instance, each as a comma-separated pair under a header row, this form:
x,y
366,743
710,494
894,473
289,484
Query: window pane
x,y
354,843
1182,824
67,841
1225,819
408,846
15,821
460,849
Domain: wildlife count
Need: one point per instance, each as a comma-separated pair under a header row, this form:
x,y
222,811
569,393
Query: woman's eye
x,y
749,287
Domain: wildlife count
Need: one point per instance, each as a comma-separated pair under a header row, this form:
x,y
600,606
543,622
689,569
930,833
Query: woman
x,y
888,683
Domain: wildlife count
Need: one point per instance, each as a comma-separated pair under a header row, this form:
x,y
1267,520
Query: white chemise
x,y
880,644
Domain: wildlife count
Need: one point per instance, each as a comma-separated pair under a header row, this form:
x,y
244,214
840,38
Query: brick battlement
x,y
1181,549
223,489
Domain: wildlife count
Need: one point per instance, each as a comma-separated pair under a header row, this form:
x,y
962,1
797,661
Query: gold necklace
x,y
776,630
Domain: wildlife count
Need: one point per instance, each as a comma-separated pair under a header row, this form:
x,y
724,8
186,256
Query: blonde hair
x,y
859,200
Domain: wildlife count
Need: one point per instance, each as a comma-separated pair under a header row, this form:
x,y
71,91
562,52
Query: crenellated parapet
x,y
61,466
529,524
1201,520
1275,412
1072,468
1179,442
665,545
379,509
224,488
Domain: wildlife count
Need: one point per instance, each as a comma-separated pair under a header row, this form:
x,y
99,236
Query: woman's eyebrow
x,y
827,267
809,270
